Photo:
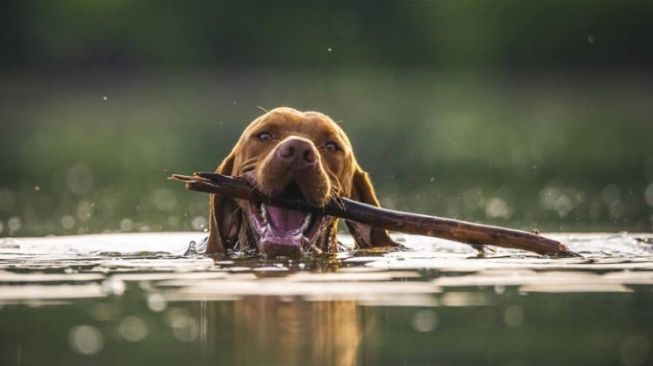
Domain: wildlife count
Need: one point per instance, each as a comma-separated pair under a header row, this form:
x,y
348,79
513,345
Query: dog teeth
x,y
264,211
306,224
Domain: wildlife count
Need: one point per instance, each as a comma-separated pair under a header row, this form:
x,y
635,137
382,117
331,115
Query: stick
x,y
410,223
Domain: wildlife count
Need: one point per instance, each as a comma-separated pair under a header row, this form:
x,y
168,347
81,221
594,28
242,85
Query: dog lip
x,y
291,242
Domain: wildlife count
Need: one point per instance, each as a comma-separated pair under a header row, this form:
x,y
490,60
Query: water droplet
x,y
184,328
497,208
133,329
113,286
126,225
425,321
84,211
13,224
85,339
198,223
563,205
67,222
156,302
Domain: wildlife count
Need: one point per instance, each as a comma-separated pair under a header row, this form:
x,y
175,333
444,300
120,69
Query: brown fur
x,y
336,174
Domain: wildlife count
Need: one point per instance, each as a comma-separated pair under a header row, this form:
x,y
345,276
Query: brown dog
x,y
293,154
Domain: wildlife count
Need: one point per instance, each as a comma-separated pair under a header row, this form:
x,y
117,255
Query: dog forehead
x,y
293,121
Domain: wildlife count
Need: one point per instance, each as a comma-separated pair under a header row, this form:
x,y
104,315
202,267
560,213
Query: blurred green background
x,y
531,114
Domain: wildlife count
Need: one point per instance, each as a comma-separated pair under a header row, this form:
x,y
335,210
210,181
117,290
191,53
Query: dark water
x,y
507,329
65,301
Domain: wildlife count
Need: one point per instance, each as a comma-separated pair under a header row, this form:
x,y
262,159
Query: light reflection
x,y
291,332
563,200
114,286
425,320
126,225
13,224
68,222
85,210
498,208
199,223
86,339
184,327
156,302
463,299
133,329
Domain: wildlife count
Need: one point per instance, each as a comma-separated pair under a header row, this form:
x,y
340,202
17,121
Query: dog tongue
x,y
284,219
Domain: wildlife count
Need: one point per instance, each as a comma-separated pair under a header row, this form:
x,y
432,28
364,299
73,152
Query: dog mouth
x,y
283,231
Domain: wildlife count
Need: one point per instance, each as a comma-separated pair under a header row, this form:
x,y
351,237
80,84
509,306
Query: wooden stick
x,y
411,223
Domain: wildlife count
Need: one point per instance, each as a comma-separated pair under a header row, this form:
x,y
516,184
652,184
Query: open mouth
x,y
283,231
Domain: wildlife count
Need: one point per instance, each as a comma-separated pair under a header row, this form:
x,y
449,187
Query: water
x,y
134,299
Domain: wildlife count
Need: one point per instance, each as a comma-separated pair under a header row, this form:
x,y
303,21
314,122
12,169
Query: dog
x,y
291,154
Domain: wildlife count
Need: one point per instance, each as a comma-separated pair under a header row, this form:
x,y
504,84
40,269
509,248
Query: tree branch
x,y
410,223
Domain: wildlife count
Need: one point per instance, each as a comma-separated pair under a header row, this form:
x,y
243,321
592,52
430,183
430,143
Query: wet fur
x,y
335,175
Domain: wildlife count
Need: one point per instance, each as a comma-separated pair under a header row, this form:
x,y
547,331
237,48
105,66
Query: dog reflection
x,y
273,331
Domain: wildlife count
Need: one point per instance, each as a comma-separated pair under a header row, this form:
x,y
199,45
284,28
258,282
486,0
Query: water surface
x,y
134,298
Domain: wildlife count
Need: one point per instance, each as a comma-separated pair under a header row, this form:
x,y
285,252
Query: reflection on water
x,y
288,331
62,304
511,328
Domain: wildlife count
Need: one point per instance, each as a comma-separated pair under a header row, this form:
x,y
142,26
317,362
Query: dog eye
x,y
264,136
331,146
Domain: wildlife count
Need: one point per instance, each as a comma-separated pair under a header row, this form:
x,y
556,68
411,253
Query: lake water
x,y
135,299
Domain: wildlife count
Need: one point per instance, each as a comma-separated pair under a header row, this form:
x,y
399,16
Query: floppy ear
x,y
366,236
224,218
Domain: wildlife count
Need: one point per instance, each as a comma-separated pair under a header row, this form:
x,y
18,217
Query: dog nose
x,y
298,153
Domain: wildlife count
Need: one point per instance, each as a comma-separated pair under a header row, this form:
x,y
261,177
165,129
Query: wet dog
x,y
298,155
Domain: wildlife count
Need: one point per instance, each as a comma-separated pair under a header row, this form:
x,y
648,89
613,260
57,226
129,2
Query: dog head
x,y
298,155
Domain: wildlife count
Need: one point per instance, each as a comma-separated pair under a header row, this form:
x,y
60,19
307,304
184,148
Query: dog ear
x,y
224,216
366,236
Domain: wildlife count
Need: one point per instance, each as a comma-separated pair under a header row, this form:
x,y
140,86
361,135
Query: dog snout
x,y
298,153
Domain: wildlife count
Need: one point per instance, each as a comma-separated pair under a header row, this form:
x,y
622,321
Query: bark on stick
x,y
406,222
